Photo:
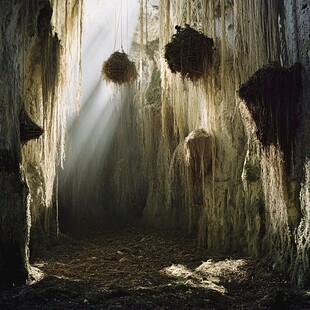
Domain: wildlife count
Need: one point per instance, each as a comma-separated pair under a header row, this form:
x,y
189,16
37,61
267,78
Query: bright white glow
x,y
107,26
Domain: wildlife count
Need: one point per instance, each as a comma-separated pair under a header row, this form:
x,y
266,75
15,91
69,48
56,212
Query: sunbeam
x,y
107,27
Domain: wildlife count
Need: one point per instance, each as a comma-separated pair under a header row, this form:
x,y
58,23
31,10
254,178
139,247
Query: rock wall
x,y
32,83
51,53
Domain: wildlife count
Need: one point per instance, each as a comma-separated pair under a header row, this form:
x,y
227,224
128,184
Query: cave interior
x,y
155,154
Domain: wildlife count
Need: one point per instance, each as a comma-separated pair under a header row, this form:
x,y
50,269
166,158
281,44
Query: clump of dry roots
x,y
272,97
119,69
198,155
190,52
28,128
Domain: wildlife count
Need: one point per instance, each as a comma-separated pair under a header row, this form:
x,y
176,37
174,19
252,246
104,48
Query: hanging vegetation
x,y
190,52
28,128
271,95
198,150
119,69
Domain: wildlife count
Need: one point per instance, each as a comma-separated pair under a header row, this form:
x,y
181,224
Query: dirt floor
x,y
135,269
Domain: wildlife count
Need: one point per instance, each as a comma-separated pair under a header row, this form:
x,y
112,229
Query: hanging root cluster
x,y
272,95
28,128
190,52
198,150
198,153
119,69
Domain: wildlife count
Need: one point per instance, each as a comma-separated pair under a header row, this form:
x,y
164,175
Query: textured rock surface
x,y
30,79
14,207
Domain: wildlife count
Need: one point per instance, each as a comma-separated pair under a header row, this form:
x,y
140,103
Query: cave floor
x,y
139,269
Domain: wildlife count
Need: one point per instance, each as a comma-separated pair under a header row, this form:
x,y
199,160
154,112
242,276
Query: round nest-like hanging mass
x,y
119,69
190,52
